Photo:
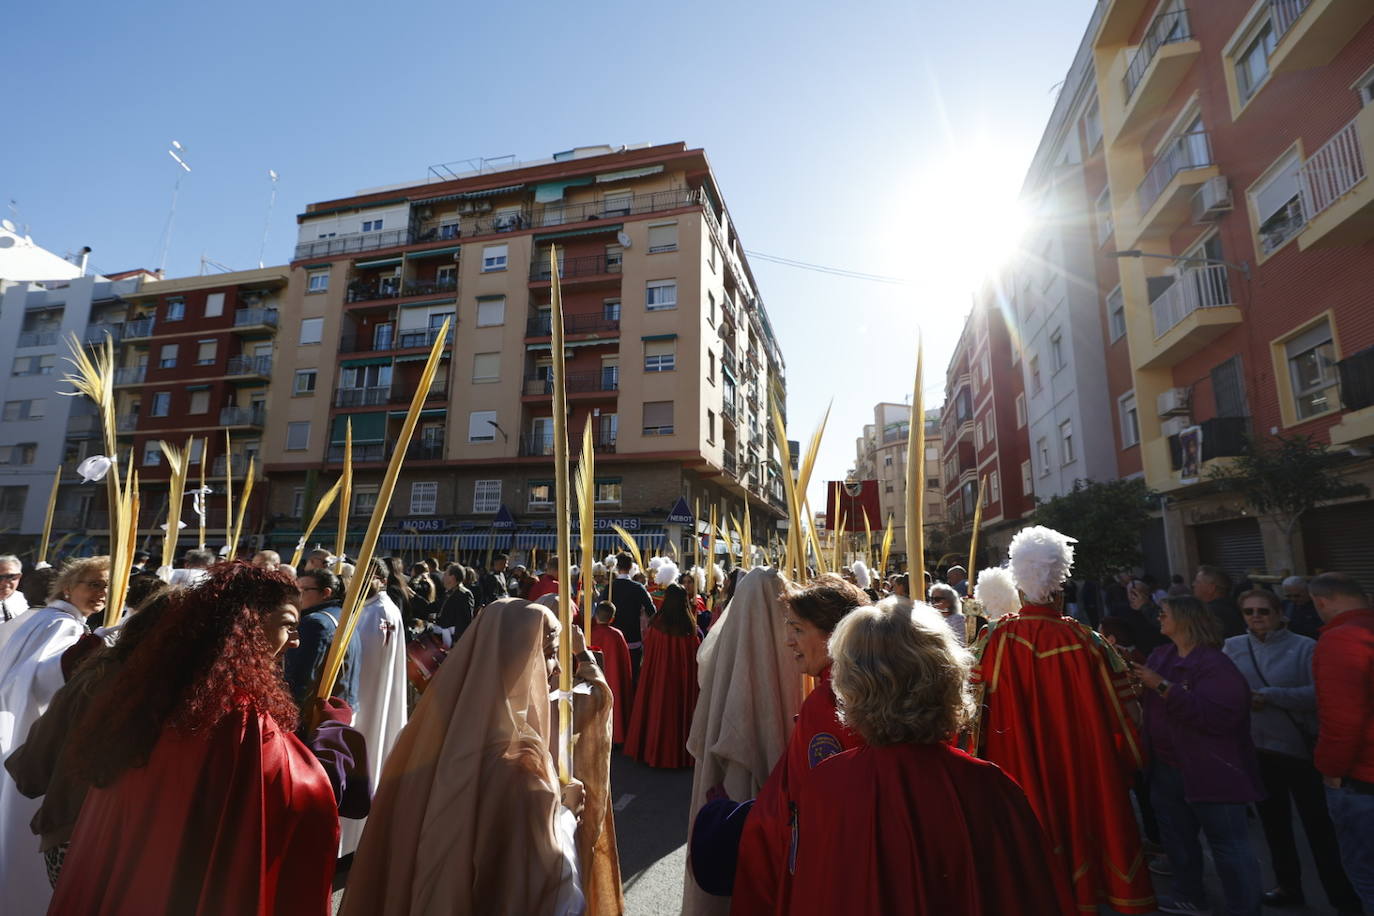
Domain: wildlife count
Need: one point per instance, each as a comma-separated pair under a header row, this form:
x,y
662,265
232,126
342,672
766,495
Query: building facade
x,y
880,454
669,353
1238,145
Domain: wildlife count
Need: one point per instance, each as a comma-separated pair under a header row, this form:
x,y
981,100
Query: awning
x,y
367,427
407,541
497,540
595,230
574,344
427,303
370,361
548,191
434,253
432,412
491,192
647,540
380,262
626,174
659,337
419,357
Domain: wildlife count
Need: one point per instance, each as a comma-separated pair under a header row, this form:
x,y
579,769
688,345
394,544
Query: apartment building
x,y
983,432
880,454
1238,144
669,353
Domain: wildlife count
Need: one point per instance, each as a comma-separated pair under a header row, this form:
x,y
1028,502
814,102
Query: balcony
x,y
594,266
363,397
10,518
1165,196
532,446
394,288
729,410
96,334
542,325
1157,67
126,423
237,464
69,520
252,321
1337,195
242,416
1357,397
1310,33
1193,311
730,464
727,362
424,337
86,424
362,452
601,381
131,375
139,327
348,244
37,338
248,367
1118,20
403,393
560,214
1222,437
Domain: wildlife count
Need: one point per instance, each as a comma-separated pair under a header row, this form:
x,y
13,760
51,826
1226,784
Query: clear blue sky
x,y
885,137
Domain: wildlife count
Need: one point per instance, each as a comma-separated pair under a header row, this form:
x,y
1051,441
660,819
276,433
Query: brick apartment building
x,y
880,454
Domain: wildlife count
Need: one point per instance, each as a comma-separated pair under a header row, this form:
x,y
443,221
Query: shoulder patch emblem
x,y
823,745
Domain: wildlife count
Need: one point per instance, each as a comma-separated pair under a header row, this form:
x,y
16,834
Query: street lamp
x,y
1243,267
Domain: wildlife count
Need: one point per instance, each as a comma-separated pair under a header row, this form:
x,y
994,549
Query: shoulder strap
x,y
331,617
1255,661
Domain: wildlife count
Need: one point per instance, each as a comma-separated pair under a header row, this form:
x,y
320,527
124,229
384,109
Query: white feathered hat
x,y
665,573
996,591
862,578
1040,560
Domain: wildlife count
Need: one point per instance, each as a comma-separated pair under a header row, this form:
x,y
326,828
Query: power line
x,y
833,271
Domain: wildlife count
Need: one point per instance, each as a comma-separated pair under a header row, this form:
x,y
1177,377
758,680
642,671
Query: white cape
x,y
18,606
381,712
30,673
751,691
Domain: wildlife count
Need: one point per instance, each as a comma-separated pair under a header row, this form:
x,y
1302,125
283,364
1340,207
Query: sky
x,y
888,137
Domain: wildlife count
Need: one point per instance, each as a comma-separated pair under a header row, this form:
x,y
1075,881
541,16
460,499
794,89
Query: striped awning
x,y
433,253
595,230
497,540
380,262
408,541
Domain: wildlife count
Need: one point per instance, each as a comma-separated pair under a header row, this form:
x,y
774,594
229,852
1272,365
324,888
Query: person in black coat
x,y
493,585
459,606
631,600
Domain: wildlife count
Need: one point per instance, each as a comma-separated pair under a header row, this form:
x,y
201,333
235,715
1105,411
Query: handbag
x,y
1309,740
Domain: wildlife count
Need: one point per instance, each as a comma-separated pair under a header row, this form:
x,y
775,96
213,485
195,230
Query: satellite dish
x,y
7,225
6,241
623,238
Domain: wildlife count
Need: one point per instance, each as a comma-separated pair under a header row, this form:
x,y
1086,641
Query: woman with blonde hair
x,y
923,827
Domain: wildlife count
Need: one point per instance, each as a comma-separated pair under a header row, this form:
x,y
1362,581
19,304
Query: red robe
x,y
619,675
1055,720
242,820
920,829
762,883
664,701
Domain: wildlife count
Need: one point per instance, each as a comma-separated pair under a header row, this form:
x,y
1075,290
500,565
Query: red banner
x,y
857,498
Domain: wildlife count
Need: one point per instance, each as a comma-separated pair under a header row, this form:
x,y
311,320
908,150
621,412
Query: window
x,y
713,258
1116,314
617,203
205,352
615,258
1364,87
995,486
297,435
711,426
167,358
1104,216
610,310
200,402
1276,204
663,238
1047,265
491,312
305,382
985,368
660,355
35,365
1252,66
494,257
152,453
23,453
372,225
541,494
1027,481
482,427
312,330
486,496
1311,360
658,418
978,436
660,294
214,305
162,404
1035,374
1057,350
486,367
1021,410
1130,420
608,492
711,366
1066,441
317,281
197,451
364,499
1092,127
424,497
176,309
298,502
1042,448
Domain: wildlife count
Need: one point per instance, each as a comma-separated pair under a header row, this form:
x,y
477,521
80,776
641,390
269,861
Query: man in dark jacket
x,y
321,606
1212,586
493,584
459,604
630,599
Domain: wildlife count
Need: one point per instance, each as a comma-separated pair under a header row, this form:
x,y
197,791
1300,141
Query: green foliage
x,y
1106,518
1285,477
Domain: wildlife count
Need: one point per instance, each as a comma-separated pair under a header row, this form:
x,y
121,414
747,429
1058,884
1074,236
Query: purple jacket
x,y
1202,727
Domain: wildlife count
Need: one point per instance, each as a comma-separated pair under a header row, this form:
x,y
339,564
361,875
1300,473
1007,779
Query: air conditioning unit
x,y
1174,425
1212,200
1172,402
465,206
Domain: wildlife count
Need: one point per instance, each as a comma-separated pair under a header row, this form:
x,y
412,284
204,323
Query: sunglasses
x,y
9,577
1252,611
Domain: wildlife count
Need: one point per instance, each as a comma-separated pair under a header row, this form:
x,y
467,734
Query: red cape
x,y
762,883
1055,720
242,820
920,828
619,675
664,701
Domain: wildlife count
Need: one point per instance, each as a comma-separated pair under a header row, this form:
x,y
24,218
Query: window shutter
x,y
658,413
1228,389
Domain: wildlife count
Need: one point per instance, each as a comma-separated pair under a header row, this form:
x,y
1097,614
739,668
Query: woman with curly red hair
x,y
203,800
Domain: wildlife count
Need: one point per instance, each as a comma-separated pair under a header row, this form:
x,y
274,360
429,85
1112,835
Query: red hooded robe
x,y
615,652
664,701
1055,720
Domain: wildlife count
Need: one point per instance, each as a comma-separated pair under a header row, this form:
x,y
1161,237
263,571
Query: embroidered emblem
x,y
822,745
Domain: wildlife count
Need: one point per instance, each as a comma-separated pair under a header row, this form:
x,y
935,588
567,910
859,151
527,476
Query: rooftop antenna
x,y
267,224
15,220
177,151
207,262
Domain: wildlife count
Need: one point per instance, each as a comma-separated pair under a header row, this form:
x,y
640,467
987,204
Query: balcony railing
x,y
1284,13
1332,171
402,393
252,318
362,451
1222,437
558,214
10,518
592,265
729,411
423,337
1196,288
406,340
393,288
1166,29
577,382
126,422
139,327
537,446
542,325
1357,379
37,338
1187,151
85,424
369,241
249,365
69,520
131,375
429,287
96,333
727,361
730,464
242,416
362,397
238,464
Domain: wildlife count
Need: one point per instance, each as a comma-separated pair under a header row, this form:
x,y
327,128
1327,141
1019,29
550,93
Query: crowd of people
x,y
1024,743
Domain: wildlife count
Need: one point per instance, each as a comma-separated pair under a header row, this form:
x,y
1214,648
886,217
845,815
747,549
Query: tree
x,y
1285,477
1106,518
